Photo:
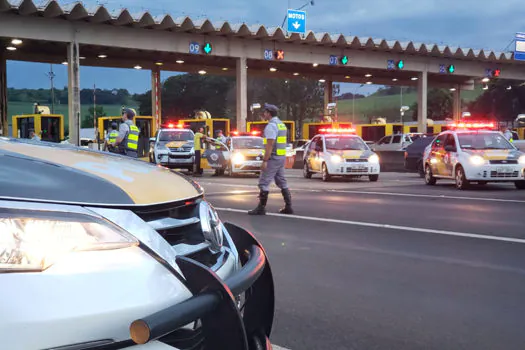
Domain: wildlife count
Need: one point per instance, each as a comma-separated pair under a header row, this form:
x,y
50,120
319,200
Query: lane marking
x,y
387,226
442,196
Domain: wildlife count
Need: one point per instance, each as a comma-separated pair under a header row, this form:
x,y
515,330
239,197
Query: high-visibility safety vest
x,y
133,138
113,136
279,148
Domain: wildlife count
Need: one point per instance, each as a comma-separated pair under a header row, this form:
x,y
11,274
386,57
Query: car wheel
x,y
520,185
421,170
230,170
306,172
374,178
325,175
461,180
429,177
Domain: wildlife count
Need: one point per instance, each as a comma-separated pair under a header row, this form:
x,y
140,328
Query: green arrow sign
x,y
207,48
401,64
344,60
451,69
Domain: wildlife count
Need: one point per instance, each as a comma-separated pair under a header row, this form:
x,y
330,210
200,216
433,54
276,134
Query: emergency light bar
x,y
472,125
337,130
252,133
173,126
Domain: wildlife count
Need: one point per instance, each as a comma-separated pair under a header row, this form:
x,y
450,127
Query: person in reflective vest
x,y
111,138
272,169
128,136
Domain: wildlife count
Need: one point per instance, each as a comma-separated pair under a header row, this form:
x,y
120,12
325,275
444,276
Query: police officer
x,y
128,135
111,138
272,169
221,138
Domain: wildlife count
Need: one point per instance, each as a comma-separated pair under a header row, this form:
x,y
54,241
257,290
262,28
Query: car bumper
x,y
496,173
354,169
212,301
247,167
175,160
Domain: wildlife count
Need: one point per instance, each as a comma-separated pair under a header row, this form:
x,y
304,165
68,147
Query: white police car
x,y
473,152
173,148
340,152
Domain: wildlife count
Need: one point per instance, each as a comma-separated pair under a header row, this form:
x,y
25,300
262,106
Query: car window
x,y
384,140
175,135
313,143
439,142
479,141
319,144
248,143
408,139
396,139
340,143
451,141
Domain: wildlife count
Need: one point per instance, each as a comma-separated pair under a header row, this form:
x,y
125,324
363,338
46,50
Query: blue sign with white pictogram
x,y
390,65
442,69
195,48
333,60
519,50
268,55
296,21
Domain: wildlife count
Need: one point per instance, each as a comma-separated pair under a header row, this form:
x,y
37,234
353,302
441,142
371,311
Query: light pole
x,y
51,75
353,102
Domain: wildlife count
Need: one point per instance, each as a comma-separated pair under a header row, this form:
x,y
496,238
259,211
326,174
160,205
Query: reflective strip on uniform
x,y
280,144
133,138
113,136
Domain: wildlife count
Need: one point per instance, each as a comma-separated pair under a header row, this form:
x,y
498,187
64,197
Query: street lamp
x,y
403,109
353,102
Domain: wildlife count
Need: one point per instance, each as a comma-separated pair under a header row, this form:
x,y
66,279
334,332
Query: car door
x,y
310,154
437,156
383,144
449,154
395,143
317,160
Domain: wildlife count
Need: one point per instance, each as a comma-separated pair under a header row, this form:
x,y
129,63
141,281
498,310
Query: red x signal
x,y
279,54
496,72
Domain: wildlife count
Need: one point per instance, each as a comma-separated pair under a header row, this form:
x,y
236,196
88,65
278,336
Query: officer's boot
x,y
287,202
261,207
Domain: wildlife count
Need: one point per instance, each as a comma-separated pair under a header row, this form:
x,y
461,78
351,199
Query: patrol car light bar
x,y
337,130
472,125
173,126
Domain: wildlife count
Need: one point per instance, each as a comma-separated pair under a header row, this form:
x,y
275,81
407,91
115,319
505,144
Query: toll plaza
x,y
76,35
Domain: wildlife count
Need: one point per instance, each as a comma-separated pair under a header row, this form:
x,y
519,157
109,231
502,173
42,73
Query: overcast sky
x,y
477,24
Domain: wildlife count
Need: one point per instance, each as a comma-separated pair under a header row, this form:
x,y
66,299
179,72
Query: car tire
x,y
520,185
306,172
373,178
324,173
230,170
430,180
421,169
461,180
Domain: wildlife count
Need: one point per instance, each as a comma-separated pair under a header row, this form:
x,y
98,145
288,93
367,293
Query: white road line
x,y
391,227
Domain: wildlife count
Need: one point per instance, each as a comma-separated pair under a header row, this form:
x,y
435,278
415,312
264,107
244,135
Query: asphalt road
x,y
389,265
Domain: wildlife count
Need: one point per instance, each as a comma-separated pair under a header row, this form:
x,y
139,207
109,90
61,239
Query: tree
x,y
499,102
439,105
87,121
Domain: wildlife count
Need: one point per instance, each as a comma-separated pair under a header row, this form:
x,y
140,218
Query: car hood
x,y
48,172
176,144
496,154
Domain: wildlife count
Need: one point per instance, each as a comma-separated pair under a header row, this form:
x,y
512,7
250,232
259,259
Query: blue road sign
x,y
296,21
333,60
519,49
195,48
442,69
488,72
390,65
268,55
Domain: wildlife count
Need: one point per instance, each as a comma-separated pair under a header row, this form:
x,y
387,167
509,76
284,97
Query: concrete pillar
x,y
328,94
456,103
422,90
74,92
242,93
4,127
156,96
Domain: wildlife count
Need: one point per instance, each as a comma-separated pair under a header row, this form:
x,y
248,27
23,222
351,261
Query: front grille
x,y
495,174
357,170
254,157
180,156
181,149
356,160
513,161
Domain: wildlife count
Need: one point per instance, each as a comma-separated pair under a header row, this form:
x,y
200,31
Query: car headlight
x,y
521,160
33,241
336,158
238,158
477,160
374,159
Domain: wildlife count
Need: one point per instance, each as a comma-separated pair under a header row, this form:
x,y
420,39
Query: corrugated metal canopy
x,y
100,14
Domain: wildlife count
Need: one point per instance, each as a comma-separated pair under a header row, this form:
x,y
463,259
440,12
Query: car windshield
x,y
345,143
175,135
478,141
248,142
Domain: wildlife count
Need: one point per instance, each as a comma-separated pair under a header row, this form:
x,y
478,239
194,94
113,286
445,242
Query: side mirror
x,y
449,148
152,139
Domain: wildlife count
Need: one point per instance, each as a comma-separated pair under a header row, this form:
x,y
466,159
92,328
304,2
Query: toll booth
x,y
210,125
374,132
312,129
146,124
260,125
49,127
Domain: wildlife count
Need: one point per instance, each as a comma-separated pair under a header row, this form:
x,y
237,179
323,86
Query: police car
x,y
173,147
473,152
340,152
246,153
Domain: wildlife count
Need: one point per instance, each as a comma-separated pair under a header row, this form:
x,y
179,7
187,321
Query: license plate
x,y
358,167
505,170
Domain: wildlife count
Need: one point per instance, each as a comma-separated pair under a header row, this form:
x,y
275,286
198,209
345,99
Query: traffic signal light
x,y
279,55
344,60
207,48
496,73
400,64
451,69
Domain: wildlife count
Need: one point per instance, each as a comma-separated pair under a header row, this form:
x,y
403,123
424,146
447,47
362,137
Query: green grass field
x,y
386,106
17,108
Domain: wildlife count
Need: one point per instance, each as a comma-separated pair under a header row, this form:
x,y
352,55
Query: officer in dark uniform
x,y
272,169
